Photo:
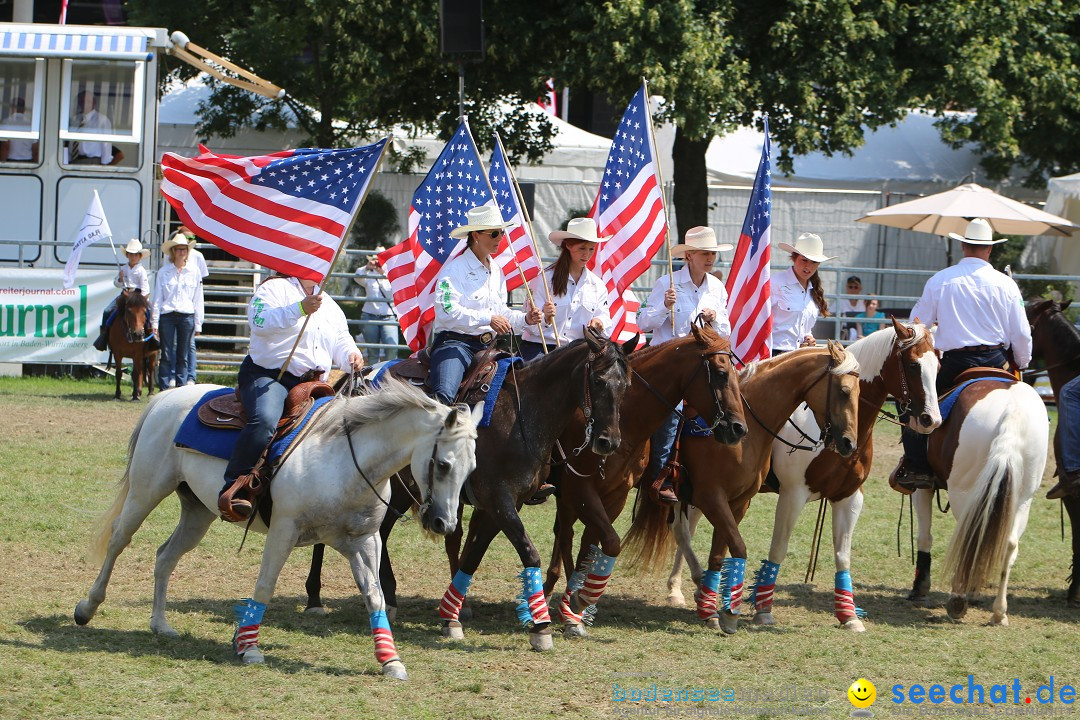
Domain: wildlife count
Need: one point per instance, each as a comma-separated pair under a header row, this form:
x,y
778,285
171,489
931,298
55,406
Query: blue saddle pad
x,y
219,442
946,403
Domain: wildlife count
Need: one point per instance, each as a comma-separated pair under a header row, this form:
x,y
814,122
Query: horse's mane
x,y
873,350
1063,334
392,397
849,364
133,299
562,354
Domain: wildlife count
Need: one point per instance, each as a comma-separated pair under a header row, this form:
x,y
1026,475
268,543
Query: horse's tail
x,y
649,544
981,538
103,526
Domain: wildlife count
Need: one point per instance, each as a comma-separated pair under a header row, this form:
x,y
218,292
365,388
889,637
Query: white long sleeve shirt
x,y
690,300
974,304
178,291
275,319
377,294
135,277
584,300
468,294
794,311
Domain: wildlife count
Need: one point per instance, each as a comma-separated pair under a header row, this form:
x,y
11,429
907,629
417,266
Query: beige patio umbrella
x,y
950,211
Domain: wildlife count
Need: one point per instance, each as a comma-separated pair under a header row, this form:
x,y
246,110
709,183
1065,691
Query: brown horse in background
x,y
724,479
127,340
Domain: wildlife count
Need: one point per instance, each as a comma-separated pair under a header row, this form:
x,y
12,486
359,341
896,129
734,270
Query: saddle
x,y
978,373
228,411
474,385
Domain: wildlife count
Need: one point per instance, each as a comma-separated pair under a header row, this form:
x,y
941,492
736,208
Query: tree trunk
x,y
691,194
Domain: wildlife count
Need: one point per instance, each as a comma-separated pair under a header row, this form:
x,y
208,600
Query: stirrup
x,y
666,494
235,502
545,491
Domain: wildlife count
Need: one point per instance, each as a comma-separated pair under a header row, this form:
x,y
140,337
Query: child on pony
x,y
132,276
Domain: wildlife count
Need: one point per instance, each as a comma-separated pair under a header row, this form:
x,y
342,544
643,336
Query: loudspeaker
x,y
528,194
461,27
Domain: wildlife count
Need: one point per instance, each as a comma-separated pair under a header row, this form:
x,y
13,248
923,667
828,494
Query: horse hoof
x,y
956,608
163,629
574,630
676,600
729,623
465,613
713,623
452,630
1002,621
315,610
764,618
1074,603
252,656
83,614
391,614
918,600
540,640
395,669
854,625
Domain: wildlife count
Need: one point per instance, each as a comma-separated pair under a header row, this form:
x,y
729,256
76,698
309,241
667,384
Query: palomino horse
x,y
329,490
1056,342
531,412
696,369
992,451
725,479
898,361
126,339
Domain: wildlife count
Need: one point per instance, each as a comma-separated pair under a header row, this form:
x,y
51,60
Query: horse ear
x,y
837,351
902,330
630,345
451,418
594,339
478,413
1064,305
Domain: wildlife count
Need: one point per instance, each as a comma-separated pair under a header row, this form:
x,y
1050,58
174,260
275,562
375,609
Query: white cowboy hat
x,y
577,229
978,232
699,238
177,239
809,246
484,217
135,248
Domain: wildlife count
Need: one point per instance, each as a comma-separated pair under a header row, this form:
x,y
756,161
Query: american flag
x,y
455,183
630,209
749,307
516,248
287,211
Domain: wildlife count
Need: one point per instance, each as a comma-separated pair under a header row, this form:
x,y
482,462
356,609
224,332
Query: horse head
x,y
835,401
1045,341
910,374
441,473
721,400
132,307
606,380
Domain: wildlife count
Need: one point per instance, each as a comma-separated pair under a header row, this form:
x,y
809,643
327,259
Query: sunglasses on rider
x,y
494,234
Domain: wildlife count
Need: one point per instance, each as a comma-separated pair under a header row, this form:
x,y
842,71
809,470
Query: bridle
x,y
705,356
586,400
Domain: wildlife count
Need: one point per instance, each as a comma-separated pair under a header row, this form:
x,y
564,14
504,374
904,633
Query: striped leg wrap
x,y
732,575
764,585
844,599
569,617
531,606
597,579
450,606
706,596
249,615
384,639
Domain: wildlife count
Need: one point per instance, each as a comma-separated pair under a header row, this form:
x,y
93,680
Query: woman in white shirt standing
x,y
579,297
797,296
177,311
694,292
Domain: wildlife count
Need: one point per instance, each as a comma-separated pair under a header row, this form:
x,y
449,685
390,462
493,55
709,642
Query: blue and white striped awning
x,y
75,42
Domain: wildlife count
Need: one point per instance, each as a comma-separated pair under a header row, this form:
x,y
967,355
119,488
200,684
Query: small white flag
x,y
94,227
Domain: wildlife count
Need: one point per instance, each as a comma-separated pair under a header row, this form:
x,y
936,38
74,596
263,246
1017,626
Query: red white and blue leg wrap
x,y
450,607
764,586
384,639
532,608
732,577
249,615
844,599
596,580
707,594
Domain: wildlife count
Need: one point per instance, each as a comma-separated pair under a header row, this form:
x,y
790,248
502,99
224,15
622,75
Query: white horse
x,y
331,489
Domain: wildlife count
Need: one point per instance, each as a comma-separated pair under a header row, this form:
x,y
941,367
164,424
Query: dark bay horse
x,y
898,361
126,340
696,369
531,412
1056,342
725,479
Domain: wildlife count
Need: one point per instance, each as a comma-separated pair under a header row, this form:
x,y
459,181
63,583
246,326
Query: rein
x,y
356,464
720,414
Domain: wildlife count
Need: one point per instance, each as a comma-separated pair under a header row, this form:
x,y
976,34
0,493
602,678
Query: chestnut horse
x,y
696,369
127,340
1056,342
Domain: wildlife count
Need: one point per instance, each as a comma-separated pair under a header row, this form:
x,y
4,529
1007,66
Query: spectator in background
x,y
177,311
874,320
851,307
18,149
199,262
89,120
378,311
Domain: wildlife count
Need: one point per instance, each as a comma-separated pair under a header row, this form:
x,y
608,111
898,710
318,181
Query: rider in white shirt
x,y
132,275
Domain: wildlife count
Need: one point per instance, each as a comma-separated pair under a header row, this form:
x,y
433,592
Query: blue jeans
x,y
378,334
175,331
529,350
1068,402
660,447
451,356
191,360
264,400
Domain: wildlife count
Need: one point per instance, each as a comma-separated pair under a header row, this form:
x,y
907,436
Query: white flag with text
x,y
94,227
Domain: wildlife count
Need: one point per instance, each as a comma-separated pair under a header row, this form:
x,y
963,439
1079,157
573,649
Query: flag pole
x,y
487,181
663,197
341,247
532,236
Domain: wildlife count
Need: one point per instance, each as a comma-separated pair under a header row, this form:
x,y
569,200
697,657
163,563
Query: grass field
x,y
63,450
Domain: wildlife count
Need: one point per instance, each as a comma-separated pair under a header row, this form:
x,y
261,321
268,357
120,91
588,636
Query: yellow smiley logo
x,y
862,693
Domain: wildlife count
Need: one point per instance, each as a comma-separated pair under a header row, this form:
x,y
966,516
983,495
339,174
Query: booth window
x,y
101,113
20,114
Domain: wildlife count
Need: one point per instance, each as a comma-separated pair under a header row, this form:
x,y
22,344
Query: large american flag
x,y
516,247
455,183
630,209
749,306
287,211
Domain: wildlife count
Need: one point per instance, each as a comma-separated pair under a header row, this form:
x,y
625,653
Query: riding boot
x,y
235,499
1068,484
913,471
101,343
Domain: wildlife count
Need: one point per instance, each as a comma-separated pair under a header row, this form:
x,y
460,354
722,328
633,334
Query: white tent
x,y
1061,255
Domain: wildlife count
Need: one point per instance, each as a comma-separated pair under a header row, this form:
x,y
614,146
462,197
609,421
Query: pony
x,y
898,361
127,340
696,369
991,449
588,376
331,489
725,479
1056,342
